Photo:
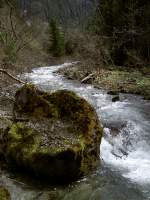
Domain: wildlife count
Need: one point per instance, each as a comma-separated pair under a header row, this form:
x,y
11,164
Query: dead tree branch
x,y
11,76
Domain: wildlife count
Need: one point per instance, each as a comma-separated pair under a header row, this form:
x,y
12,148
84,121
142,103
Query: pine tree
x,y
57,44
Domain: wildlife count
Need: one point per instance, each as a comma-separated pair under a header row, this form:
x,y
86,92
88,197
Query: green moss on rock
x,y
4,194
29,101
61,138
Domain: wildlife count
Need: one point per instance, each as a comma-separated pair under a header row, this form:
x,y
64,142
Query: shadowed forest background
x,y
74,99
105,35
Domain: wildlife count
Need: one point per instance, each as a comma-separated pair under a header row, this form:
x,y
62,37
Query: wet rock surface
x,y
115,99
54,136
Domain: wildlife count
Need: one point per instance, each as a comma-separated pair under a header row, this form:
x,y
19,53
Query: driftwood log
x,y
87,78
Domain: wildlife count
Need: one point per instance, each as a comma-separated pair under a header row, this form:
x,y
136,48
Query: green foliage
x,y
57,45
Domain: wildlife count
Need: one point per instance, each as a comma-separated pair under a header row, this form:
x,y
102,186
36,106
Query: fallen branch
x,y
90,76
11,117
11,76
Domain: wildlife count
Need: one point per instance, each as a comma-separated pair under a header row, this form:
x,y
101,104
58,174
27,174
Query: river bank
x,y
113,79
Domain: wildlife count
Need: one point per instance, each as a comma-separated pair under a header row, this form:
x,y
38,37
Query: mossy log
x,y
60,140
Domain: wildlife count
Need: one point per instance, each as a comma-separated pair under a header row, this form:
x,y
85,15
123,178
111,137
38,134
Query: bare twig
x,y
11,22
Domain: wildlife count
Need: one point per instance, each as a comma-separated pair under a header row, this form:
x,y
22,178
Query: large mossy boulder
x,y
4,194
54,135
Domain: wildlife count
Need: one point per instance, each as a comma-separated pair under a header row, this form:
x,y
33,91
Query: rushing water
x,y
125,148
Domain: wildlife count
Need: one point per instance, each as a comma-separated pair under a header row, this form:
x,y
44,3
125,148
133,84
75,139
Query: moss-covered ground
x,y
120,79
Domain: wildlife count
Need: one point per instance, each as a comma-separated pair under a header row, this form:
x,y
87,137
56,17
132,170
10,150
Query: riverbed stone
x,y
116,98
55,135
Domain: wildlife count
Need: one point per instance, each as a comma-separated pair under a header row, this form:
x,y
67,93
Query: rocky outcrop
x,y
54,135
